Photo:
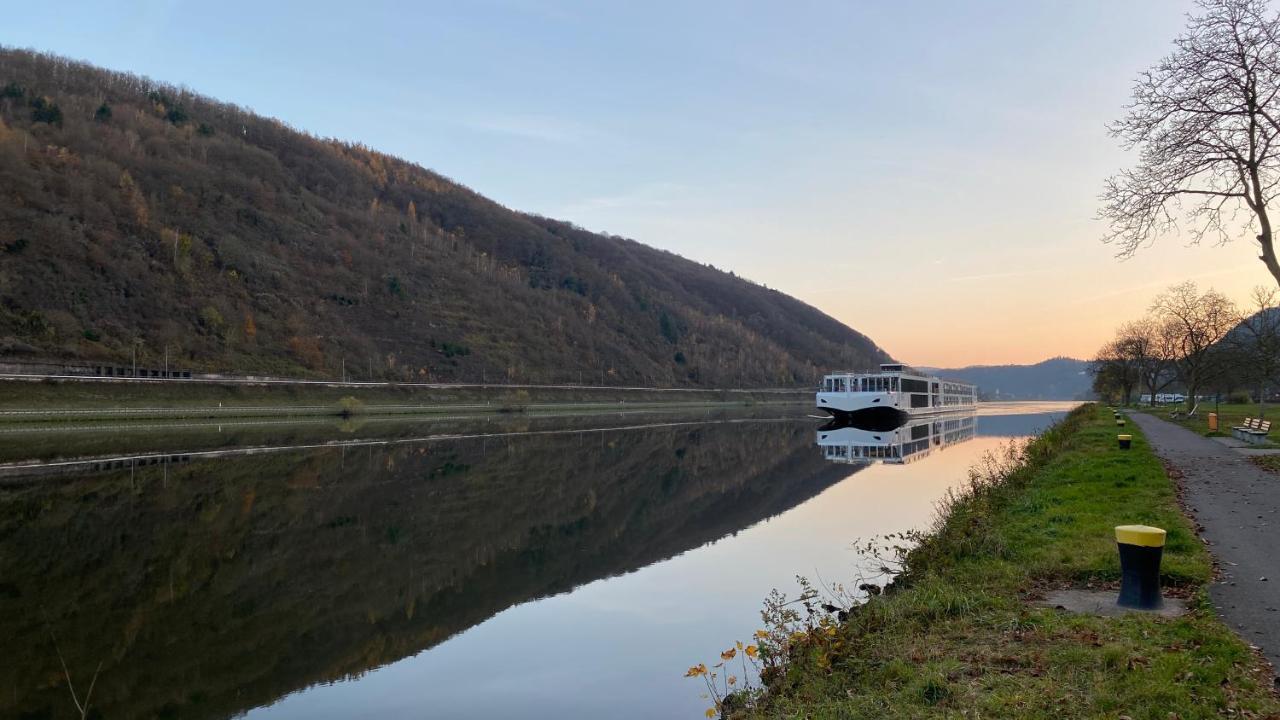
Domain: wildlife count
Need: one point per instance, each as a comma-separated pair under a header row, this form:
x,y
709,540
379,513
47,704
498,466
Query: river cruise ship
x,y
917,439
895,390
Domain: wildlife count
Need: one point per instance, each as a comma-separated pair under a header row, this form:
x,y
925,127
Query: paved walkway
x,y
1245,448
1238,505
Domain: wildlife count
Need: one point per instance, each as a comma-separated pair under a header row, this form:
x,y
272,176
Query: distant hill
x,y
1058,378
1263,322
138,216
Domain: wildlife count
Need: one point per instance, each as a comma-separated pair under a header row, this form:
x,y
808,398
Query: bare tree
x,y
81,707
1168,338
1195,325
1150,354
1205,121
1115,374
1256,341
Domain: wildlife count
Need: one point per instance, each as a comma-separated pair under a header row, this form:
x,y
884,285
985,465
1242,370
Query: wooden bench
x,y
1248,424
1257,435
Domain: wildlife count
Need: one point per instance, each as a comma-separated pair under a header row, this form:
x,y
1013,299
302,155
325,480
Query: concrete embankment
x,y
965,630
72,399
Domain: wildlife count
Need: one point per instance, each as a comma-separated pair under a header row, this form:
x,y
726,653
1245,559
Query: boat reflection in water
x,y
851,442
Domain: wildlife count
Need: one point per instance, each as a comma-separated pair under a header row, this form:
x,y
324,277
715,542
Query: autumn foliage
x,y
143,215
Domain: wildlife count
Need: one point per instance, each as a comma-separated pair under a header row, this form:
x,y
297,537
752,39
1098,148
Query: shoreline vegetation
x,y
42,401
958,634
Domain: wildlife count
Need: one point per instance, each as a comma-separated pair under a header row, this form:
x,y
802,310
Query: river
x,y
527,566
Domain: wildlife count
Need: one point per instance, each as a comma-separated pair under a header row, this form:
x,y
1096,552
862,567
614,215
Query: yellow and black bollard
x,y
1125,441
1119,423
1141,547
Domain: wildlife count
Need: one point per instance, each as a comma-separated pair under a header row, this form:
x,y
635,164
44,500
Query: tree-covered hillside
x,y
140,216
1059,378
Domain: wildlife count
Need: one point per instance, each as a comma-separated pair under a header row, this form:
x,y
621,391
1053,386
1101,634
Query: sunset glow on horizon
x,y
1068,310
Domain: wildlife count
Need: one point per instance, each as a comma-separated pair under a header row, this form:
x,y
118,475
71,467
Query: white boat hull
x,y
848,403
895,391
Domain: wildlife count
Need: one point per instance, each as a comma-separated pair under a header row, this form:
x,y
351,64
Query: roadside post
x,y
1125,441
1141,547
1213,421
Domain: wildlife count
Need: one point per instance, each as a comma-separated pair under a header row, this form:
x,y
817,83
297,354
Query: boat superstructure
x,y
896,389
916,439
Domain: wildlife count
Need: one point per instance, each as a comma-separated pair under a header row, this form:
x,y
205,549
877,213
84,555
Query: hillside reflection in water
x,y
565,572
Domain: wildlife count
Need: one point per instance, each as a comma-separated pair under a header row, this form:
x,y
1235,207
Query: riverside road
x,y
1238,505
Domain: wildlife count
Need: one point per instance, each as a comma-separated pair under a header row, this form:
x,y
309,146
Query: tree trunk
x,y
1266,240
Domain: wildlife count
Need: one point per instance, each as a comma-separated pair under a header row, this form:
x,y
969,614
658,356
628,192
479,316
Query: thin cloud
x,y
1162,283
543,128
649,196
992,276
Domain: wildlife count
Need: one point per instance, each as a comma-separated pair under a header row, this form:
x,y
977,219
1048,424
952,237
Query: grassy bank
x,y
63,441
959,635
1268,462
57,400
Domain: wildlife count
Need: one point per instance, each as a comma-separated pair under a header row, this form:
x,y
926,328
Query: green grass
x,y
42,401
1229,415
957,636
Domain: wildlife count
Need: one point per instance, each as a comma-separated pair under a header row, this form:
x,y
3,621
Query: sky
x,y
925,172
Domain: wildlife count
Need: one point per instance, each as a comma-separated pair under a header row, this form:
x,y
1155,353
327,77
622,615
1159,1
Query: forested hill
x,y
1058,378
137,214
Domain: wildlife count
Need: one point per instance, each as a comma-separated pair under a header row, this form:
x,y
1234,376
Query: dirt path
x,y
1238,505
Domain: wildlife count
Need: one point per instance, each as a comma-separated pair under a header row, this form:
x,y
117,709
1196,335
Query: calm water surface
x,y
469,568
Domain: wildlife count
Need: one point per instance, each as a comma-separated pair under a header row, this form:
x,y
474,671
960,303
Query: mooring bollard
x,y
1125,441
1141,547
